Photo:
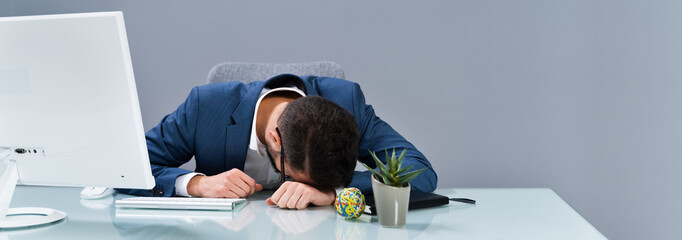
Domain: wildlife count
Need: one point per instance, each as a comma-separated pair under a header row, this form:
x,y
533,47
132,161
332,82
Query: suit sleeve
x,y
171,144
378,136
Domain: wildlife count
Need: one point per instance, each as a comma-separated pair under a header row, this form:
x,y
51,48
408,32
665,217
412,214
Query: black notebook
x,y
417,200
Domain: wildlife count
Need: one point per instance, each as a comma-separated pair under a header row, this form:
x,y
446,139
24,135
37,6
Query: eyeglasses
x,y
281,156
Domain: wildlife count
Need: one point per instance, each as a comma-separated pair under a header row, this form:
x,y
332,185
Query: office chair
x,y
249,72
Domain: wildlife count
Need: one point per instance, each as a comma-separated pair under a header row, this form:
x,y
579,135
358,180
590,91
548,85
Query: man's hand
x,y
296,195
230,184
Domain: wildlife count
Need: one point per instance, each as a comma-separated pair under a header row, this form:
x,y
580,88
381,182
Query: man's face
x,y
272,152
296,175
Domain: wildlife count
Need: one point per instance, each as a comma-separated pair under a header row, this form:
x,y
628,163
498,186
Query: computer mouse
x,y
96,192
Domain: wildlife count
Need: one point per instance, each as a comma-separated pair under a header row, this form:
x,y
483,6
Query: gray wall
x,y
579,96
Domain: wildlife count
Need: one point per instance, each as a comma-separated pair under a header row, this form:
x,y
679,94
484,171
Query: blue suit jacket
x,y
214,126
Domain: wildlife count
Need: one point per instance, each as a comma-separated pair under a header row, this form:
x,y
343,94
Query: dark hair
x,y
321,139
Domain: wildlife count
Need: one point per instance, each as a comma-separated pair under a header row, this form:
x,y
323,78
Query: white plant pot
x,y
391,203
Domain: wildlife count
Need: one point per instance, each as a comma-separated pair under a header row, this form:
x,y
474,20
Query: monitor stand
x,y
19,217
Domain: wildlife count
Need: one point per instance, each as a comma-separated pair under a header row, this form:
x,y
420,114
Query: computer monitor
x,y
69,112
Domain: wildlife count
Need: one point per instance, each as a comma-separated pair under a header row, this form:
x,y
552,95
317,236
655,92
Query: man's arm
x,y
378,136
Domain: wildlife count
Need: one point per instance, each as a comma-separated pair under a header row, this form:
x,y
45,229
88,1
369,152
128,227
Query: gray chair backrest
x,y
249,72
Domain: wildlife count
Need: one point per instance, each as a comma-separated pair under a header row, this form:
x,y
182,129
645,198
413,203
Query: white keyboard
x,y
218,204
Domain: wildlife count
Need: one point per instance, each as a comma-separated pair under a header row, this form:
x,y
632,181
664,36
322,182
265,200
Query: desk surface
x,y
499,214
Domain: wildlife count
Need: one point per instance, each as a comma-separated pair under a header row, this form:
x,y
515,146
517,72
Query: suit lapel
x,y
238,131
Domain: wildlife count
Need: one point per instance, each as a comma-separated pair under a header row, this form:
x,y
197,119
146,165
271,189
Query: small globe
x,y
350,203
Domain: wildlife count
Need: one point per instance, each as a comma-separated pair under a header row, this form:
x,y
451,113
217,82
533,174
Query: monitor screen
x,y
69,111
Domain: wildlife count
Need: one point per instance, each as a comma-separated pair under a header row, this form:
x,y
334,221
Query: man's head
x,y
320,141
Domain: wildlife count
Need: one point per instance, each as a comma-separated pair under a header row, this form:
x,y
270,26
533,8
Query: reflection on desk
x,y
499,214
299,221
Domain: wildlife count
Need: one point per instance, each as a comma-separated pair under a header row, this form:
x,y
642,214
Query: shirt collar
x,y
255,144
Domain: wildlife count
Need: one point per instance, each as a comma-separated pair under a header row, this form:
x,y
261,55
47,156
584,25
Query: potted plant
x,y
391,187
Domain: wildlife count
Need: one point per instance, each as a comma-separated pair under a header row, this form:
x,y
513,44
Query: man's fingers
x,y
256,188
231,194
241,188
295,197
239,179
249,183
284,200
278,194
238,190
302,203
269,202
248,180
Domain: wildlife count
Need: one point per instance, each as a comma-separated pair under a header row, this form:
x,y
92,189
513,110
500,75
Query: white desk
x,y
498,214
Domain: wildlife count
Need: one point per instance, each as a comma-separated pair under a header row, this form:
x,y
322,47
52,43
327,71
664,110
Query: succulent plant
x,y
392,173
